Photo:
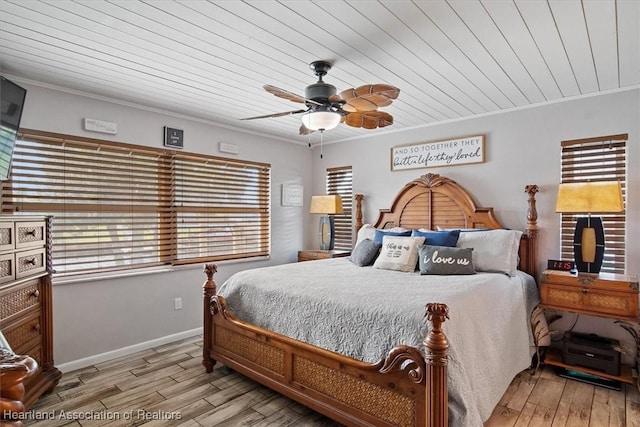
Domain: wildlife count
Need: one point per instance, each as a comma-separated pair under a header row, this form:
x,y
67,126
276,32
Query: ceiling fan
x,y
357,107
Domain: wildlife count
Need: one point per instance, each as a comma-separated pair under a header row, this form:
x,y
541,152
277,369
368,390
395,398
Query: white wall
x,y
521,147
93,317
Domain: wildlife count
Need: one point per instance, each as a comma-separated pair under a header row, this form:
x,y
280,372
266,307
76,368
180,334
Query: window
x,y
597,159
122,206
339,181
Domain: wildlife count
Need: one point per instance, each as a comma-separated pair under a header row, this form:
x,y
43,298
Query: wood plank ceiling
x,y
210,59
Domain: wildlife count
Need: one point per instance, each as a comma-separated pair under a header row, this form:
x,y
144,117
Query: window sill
x,y
92,277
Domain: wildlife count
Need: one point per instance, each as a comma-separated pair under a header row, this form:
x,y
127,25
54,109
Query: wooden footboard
x,y
407,388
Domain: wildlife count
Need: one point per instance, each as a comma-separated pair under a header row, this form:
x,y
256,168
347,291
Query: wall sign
x,y
173,137
292,194
469,149
95,125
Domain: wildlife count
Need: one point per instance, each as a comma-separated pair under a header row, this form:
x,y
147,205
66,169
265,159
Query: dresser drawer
x,y
7,268
22,264
30,262
7,236
590,300
30,234
36,353
19,298
25,334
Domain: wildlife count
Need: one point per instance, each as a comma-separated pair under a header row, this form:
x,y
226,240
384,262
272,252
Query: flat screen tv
x,y
12,100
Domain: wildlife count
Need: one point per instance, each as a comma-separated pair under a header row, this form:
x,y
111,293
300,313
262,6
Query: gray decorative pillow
x,y
365,253
445,260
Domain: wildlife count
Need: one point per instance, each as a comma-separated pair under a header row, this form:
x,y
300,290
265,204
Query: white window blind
x,y
340,181
597,159
123,206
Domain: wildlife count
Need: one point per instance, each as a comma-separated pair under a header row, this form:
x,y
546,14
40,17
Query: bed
x,y
425,377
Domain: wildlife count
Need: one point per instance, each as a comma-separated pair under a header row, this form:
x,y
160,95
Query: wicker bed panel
x,y
382,403
264,355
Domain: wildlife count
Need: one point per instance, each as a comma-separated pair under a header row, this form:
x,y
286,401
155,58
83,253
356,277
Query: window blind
x,y
597,159
123,206
340,181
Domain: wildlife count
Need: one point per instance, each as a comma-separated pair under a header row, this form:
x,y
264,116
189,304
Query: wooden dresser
x,y
25,296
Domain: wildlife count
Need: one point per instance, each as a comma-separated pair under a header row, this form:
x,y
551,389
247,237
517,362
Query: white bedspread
x,y
364,312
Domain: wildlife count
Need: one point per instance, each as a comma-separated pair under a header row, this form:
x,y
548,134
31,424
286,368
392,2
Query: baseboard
x,y
125,351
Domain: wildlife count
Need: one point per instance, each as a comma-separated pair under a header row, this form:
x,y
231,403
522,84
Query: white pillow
x,y
493,250
399,253
368,231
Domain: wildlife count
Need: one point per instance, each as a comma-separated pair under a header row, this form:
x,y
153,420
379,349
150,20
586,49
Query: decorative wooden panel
x,y
380,402
431,201
263,354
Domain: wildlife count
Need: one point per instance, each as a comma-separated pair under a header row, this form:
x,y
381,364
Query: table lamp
x,y
328,206
588,198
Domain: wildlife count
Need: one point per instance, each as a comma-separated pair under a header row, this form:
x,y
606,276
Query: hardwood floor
x,y
167,386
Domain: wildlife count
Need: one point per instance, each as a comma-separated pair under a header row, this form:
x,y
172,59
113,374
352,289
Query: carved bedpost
x,y
209,289
359,224
532,228
436,359
532,213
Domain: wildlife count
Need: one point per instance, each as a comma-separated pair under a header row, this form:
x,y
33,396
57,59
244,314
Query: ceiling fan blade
x,y
281,93
368,97
266,116
369,119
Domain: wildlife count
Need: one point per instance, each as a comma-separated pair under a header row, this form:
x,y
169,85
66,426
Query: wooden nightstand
x,y
312,255
605,295
613,296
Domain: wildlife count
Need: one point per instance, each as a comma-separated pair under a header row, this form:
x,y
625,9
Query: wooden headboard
x,y
433,201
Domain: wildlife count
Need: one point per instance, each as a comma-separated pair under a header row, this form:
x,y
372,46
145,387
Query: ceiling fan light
x,y
321,120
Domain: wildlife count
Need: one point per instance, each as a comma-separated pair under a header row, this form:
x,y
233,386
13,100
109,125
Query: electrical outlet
x,y
177,304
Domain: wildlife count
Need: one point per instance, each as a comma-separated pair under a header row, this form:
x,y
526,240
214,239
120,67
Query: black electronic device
x,y
560,265
591,351
589,379
12,99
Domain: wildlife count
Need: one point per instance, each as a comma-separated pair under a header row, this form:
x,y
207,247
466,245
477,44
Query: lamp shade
x,y
327,205
590,197
321,120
